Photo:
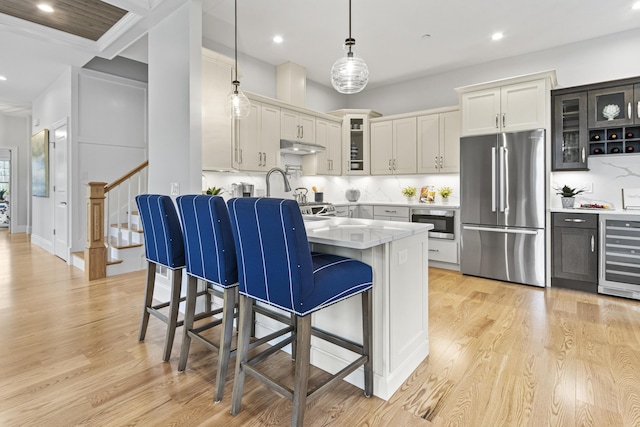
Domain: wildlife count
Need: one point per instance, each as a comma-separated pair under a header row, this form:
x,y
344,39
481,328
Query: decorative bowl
x,y
611,111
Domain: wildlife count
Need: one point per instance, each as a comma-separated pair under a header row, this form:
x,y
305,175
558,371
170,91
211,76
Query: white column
x,y
175,111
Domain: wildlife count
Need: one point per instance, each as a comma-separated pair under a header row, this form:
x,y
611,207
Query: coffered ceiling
x,y
89,19
400,40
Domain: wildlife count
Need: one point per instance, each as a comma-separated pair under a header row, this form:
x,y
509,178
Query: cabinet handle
x,y
240,156
638,110
497,124
259,158
389,164
629,110
440,162
503,120
436,162
434,250
593,243
388,211
301,131
395,165
264,158
574,220
584,155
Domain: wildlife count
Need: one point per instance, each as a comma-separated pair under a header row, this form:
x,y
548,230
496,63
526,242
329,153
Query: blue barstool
x,y
163,246
276,267
211,257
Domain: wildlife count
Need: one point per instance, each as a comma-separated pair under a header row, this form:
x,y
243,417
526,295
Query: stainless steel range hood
x,y
289,146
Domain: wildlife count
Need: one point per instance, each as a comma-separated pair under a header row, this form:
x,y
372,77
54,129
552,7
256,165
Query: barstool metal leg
x,y
303,359
189,315
148,299
174,304
367,340
244,319
224,349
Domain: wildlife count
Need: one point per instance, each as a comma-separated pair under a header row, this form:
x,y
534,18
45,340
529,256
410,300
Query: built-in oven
x,y
442,219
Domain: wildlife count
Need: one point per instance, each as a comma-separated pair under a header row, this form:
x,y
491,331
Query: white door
x,y
60,194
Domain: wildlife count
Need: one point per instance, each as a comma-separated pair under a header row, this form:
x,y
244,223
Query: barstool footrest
x,y
267,381
268,352
162,316
272,314
339,341
337,377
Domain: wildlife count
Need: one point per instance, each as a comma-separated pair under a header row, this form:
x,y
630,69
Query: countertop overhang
x,y
359,233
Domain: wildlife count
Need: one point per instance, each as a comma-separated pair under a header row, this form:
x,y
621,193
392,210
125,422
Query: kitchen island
x,y
398,254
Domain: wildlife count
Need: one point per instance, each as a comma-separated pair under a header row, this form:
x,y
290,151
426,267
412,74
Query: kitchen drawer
x,y
391,211
342,211
578,220
443,250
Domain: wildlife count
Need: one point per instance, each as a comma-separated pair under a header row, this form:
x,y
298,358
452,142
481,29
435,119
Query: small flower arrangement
x,y
409,191
445,192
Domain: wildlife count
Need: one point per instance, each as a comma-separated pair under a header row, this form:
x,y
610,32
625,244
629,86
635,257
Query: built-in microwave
x,y
443,221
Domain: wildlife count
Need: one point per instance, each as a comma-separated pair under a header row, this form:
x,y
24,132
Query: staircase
x,y
115,242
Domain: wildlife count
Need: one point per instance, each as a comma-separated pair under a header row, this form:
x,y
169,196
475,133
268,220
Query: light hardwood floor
x,y
501,355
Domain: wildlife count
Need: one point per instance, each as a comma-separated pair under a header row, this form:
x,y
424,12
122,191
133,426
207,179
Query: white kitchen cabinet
x,y
355,140
365,212
296,126
347,211
443,251
393,146
391,213
328,162
439,142
523,105
217,148
258,143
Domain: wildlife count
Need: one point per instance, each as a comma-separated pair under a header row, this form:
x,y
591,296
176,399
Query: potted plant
x,y
445,192
409,193
568,196
213,191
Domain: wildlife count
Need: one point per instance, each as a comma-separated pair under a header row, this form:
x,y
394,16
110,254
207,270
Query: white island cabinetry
x,y
398,254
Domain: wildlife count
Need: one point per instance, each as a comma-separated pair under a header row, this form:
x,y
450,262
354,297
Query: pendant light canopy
x,y
349,74
238,105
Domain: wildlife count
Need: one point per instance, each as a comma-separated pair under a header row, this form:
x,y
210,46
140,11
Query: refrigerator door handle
x,y
499,230
501,165
493,179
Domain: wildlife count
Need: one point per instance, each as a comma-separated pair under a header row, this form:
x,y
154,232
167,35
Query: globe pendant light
x,y
349,74
238,105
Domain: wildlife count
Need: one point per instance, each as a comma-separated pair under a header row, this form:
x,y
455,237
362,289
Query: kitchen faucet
x,y
287,187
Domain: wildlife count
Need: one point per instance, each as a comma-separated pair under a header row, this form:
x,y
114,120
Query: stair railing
x,y
103,216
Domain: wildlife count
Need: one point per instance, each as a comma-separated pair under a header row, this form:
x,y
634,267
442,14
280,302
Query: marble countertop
x,y
598,211
410,205
359,233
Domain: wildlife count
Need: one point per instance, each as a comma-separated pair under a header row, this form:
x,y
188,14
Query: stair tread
x,y
114,244
124,226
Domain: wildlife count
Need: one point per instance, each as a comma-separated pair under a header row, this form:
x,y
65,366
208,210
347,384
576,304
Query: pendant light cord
x,y
350,42
235,81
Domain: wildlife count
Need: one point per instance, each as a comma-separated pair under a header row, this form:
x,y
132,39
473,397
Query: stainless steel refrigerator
x,y
502,184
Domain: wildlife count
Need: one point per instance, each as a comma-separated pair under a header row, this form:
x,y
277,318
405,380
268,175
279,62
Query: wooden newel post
x,y
95,252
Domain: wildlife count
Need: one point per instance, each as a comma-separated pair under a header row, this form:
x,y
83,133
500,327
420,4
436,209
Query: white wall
x,y
53,105
15,133
109,137
591,61
175,110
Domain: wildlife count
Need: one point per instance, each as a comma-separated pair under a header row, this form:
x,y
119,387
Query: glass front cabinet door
x,y
611,107
570,145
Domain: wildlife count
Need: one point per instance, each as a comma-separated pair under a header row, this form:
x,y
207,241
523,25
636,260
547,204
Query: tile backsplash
x,y
608,174
372,188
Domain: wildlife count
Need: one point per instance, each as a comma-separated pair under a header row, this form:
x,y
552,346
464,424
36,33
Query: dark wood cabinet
x,y
570,144
592,120
574,251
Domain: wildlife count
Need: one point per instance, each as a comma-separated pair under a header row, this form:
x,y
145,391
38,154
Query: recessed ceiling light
x,y
3,78
426,36
636,6
277,39
497,36
45,8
